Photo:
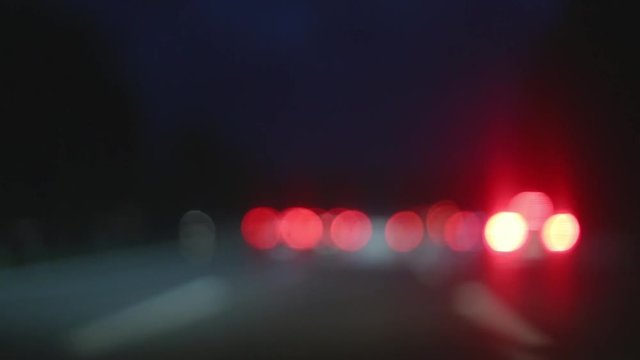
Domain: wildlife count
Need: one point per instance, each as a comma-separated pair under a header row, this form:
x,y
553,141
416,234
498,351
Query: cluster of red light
x,y
507,231
459,230
445,224
302,229
350,230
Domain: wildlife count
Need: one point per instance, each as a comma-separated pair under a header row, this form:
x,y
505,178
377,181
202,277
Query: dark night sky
x,y
172,105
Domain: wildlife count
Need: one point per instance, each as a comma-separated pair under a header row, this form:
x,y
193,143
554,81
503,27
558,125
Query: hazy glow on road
x,y
260,228
159,315
351,230
535,207
476,303
300,228
505,231
404,231
560,232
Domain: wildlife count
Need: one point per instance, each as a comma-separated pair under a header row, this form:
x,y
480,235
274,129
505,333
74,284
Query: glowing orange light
x,y
560,232
404,231
351,230
437,217
535,207
463,231
300,228
505,231
259,227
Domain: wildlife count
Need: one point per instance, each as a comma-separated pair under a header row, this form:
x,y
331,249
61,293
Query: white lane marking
x,y
475,302
176,308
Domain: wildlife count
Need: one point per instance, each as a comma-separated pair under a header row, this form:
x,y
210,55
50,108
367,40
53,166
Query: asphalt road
x,y
153,303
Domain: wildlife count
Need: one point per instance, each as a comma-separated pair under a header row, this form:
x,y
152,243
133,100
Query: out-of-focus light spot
x,y
560,232
260,227
463,231
437,217
535,207
404,231
505,231
300,228
197,236
351,230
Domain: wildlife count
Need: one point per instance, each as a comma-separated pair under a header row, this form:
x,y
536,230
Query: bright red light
x,y
463,231
437,217
404,231
505,231
535,207
560,232
259,227
300,228
351,230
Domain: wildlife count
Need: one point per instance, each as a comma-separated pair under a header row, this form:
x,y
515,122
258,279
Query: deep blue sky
x,y
314,83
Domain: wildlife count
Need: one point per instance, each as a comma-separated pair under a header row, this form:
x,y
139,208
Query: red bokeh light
x,y
259,227
535,207
505,231
437,217
351,230
463,231
404,231
560,232
300,228
327,219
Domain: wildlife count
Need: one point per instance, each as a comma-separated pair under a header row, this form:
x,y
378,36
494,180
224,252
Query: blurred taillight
x,y
505,231
560,232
